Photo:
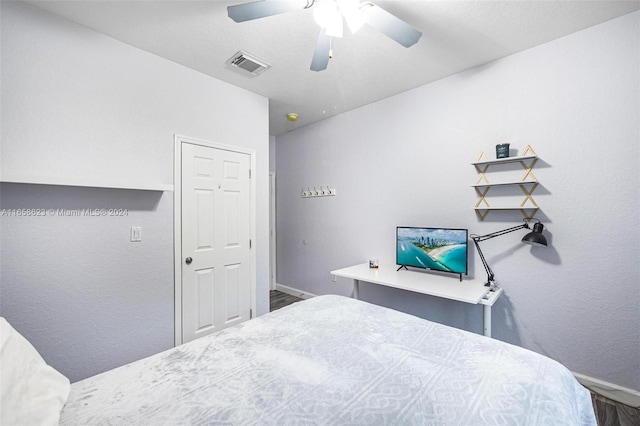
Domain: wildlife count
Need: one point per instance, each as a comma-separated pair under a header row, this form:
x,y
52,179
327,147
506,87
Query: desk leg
x,y
356,288
486,312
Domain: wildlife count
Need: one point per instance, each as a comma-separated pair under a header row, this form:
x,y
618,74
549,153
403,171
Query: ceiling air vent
x,y
248,62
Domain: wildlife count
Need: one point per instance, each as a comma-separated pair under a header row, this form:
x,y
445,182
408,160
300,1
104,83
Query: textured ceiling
x,y
366,66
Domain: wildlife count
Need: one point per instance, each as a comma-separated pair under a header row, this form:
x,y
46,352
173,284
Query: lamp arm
x,y
498,233
487,268
477,238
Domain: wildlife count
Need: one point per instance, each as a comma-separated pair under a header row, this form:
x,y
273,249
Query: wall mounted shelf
x,y
504,160
527,184
508,208
86,183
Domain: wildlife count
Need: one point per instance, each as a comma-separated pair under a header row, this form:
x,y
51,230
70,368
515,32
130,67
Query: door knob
x,y
188,260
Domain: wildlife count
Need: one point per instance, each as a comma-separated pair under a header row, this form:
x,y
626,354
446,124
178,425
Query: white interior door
x,y
216,239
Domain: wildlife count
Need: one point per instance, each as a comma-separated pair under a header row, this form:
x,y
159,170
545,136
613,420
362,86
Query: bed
x,y
332,360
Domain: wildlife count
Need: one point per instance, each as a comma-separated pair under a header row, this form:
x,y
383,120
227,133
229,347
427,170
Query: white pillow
x,y
33,393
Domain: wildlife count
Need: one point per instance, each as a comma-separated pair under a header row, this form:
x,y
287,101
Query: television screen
x,y
439,249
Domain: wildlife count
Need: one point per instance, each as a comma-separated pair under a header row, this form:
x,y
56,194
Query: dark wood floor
x,y
279,299
611,413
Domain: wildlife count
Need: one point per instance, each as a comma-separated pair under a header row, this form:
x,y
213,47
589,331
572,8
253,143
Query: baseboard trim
x,y
614,392
294,291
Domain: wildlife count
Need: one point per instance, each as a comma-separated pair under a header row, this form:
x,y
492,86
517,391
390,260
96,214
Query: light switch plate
x,y
136,234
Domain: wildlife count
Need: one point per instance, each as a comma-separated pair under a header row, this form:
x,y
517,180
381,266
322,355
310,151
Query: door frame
x,y
177,222
272,231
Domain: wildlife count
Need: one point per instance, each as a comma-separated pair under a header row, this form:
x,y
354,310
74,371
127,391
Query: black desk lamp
x,y
534,238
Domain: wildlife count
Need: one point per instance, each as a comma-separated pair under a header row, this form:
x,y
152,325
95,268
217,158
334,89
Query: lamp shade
x,y
535,237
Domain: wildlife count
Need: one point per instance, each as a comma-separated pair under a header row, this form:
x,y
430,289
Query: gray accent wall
x,y
77,105
406,161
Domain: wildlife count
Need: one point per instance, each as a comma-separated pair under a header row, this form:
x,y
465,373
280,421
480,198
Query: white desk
x,y
468,291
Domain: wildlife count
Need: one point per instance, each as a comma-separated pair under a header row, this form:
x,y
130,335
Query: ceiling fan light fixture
x,y
353,14
354,22
328,16
335,29
324,12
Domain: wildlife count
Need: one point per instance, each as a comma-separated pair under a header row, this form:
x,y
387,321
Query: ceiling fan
x,y
330,14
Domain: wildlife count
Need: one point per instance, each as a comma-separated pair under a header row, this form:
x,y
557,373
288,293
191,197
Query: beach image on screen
x,y
439,249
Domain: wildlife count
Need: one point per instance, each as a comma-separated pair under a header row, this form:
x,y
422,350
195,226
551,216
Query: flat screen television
x,y
436,249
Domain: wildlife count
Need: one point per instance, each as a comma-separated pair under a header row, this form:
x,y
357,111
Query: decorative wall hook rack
x,y
315,192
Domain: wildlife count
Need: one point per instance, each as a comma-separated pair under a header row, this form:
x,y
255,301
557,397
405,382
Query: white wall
x,y
272,153
406,161
78,104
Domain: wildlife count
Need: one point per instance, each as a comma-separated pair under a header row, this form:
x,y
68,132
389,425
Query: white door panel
x,y
233,308
216,286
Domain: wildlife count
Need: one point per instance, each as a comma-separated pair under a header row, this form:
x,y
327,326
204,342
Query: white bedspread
x,y
332,360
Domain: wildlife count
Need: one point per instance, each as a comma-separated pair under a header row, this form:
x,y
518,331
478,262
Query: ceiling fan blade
x,y
321,54
263,8
390,25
